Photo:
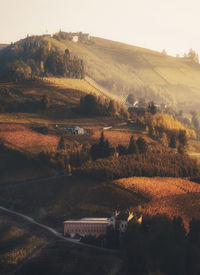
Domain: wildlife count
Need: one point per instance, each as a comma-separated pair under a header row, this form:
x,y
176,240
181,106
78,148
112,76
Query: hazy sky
x,y
156,24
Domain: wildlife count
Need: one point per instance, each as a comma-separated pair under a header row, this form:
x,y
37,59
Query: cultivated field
x,y
15,246
172,196
22,138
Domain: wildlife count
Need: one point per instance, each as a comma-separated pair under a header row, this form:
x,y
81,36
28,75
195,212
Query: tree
x,y
151,131
88,105
142,145
101,149
181,149
112,108
172,142
192,57
61,144
182,137
195,120
152,108
164,139
19,71
130,98
194,233
45,102
132,148
121,149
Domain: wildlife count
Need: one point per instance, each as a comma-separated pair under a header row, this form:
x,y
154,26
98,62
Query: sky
x,y
172,25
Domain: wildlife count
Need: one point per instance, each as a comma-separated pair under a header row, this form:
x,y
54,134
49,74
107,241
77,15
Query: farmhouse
x,y
84,36
75,38
76,130
97,226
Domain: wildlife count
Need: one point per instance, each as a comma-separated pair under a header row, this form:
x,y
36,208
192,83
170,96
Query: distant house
x,y
75,38
85,36
76,130
97,226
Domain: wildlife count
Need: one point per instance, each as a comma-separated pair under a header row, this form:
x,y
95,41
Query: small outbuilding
x,y
76,130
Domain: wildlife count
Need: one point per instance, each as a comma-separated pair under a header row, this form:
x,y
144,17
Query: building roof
x,y
89,220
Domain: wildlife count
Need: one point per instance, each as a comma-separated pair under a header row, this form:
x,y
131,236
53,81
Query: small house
x,y
77,130
85,36
75,38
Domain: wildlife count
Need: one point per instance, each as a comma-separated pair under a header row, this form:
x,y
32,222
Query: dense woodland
x,y
36,57
92,105
161,246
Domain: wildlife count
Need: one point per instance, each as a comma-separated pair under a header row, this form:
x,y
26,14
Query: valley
x,y
141,157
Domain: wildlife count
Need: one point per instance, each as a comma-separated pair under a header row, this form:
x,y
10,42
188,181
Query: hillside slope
x,y
122,68
174,197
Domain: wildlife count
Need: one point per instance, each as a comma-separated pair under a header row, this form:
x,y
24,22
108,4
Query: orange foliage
x,y
20,137
171,196
116,137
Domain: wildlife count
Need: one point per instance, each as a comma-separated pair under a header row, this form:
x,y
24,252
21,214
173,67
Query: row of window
x,y
85,225
95,230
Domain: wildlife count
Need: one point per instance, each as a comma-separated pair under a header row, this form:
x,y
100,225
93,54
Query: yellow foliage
x,y
168,122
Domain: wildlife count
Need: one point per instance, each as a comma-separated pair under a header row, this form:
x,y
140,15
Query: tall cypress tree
x,y
61,144
132,148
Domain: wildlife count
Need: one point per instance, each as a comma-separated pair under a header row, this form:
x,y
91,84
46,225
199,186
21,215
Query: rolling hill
x,y
122,68
174,197
117,68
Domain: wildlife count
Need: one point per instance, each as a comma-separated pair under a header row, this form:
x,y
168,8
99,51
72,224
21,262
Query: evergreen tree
x,y
100,150
132,148
194,233
172,142
182,137
45,102
130,98
61,144
142,145
112,108
121,149
152,108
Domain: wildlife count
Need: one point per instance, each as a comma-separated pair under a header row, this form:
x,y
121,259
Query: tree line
x,y
92,105
35,57
105,162
135,160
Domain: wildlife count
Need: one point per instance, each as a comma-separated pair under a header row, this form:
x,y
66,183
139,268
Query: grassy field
x,y
59,258
122,68
172,196
22,138
15,246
